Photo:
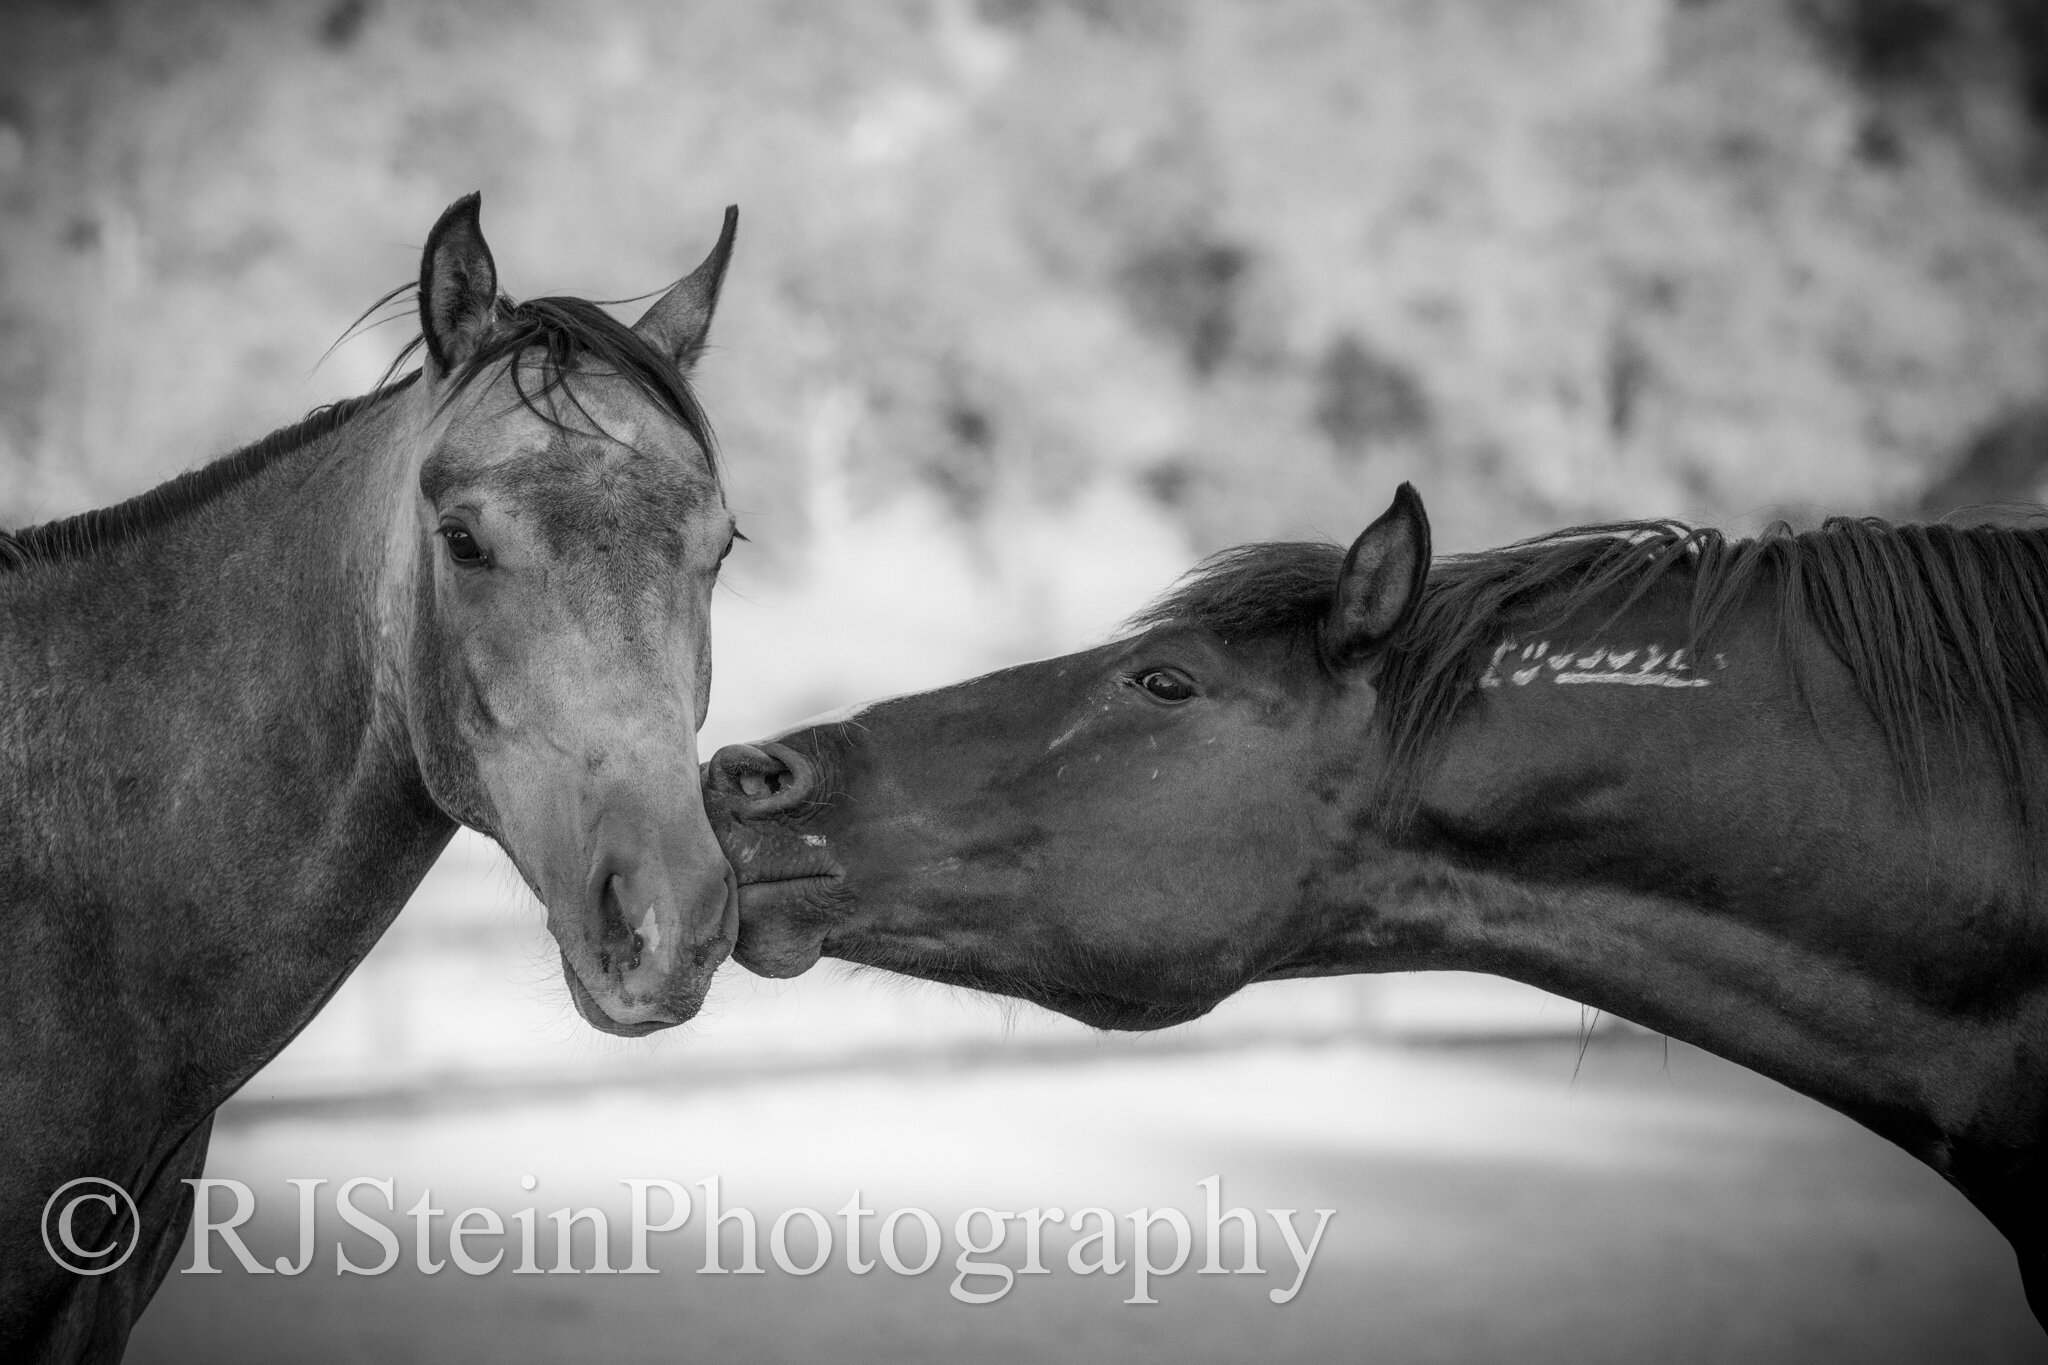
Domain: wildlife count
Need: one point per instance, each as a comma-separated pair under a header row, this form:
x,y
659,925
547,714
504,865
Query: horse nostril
x,y
639,945
761,779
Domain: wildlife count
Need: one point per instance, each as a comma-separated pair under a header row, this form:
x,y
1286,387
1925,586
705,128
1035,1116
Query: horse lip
x,y
594,1013
785,879
785,859
784,919
804,893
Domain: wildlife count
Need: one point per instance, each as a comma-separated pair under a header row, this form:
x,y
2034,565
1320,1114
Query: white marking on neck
x,y
1632,679
1597,664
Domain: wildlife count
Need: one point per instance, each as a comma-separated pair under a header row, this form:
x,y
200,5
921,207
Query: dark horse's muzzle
x,y
768,812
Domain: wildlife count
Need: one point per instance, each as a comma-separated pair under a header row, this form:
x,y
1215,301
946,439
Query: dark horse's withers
x,y
240,715
1780,798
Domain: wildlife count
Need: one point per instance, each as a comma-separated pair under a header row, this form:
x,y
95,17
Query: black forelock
x,y
564,331
1252,591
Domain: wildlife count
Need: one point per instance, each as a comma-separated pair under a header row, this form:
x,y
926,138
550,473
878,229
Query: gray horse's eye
x,y
462,546
1165,685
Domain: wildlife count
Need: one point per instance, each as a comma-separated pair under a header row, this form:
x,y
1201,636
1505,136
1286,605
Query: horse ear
x,y
458,285
1381,582
680,319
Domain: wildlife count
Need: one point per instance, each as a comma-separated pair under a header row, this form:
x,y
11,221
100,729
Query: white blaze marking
x,y
650,932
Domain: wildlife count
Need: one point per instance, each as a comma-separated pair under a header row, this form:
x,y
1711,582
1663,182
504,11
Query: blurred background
x,y
1036,302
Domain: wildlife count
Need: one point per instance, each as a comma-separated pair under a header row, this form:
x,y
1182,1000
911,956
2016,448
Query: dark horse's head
x,y
564,530
1117,834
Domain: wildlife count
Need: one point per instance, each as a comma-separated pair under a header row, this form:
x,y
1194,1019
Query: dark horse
x,y
1783,798
241,715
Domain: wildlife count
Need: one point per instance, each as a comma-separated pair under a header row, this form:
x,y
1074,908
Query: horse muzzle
x,y
763,800
646,932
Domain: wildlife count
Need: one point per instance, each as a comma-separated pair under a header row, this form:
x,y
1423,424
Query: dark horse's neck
x,y
1729,852
212,695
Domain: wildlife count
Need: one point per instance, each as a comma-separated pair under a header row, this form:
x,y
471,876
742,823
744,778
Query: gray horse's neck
x,y
205,765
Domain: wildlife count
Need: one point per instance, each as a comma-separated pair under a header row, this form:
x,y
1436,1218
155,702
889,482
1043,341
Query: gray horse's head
x,y
566,529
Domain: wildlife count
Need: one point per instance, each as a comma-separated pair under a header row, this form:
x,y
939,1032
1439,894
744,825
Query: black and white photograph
x,y
995,682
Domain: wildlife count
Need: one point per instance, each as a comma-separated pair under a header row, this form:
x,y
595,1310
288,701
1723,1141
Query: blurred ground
x,y
1495,1203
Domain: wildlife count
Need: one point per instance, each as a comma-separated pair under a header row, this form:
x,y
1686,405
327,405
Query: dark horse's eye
x,y
462,546
1166,686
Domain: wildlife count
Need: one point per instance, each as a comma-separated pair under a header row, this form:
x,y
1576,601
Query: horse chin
x,y
594,1015
784,921
773,942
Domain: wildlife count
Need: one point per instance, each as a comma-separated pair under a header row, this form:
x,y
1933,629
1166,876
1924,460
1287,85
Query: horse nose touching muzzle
x,y
648,922
771,813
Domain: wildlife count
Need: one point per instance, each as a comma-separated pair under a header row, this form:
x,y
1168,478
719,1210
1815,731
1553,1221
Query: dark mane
x,y
1939,625
561,330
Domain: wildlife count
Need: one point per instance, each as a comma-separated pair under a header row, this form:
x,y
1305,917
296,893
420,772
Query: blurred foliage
x,y
1553,259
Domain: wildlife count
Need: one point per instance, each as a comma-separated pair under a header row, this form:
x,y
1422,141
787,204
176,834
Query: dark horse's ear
x,y
458,285
1380,584
680,319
